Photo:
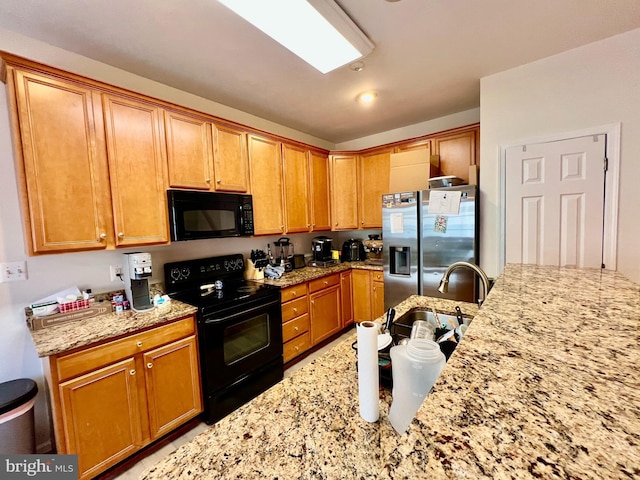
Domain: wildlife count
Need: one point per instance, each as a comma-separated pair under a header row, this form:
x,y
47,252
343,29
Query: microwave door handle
x,y
241,223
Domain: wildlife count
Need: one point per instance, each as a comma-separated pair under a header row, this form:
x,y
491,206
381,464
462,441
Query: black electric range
x,y
239,329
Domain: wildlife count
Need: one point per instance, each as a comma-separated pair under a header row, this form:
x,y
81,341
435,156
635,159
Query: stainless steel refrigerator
x,y
423,233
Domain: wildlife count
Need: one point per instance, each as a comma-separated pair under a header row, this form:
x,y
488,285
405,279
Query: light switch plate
x,y
13,271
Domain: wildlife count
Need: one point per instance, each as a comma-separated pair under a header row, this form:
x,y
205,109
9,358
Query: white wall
x,y
594,85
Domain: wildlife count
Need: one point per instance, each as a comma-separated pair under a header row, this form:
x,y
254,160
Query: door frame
x,y
612,185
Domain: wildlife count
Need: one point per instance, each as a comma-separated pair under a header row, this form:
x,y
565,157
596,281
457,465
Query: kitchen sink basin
x,y
402,326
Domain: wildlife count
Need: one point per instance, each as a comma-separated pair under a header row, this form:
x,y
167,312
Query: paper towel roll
x,y
368,373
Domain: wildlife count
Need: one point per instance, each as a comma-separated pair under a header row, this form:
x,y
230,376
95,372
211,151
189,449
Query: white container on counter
x,y
415,368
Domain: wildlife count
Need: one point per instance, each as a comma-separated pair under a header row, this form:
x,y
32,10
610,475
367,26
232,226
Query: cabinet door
x,y
231,163
377,299
265,166
189,151
457,153
295,172
101,416
361,295
135,147
65,170
346,298
325,313
344,192
319,187
173,385
374,182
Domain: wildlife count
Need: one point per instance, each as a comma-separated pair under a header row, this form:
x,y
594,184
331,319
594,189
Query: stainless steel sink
x,y
402,326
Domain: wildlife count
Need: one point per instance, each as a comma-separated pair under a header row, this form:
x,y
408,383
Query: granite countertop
x,y
80,333
544,384
305,274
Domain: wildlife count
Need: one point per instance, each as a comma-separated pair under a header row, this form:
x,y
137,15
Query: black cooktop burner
x,y
213,282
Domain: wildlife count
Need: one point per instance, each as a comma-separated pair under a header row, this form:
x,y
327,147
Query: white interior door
x,y
555,202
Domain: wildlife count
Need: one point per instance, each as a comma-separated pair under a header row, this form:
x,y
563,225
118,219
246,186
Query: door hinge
x,y
606,164
603,266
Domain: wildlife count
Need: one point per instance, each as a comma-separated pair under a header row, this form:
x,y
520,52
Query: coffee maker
x,y
321,247
136,270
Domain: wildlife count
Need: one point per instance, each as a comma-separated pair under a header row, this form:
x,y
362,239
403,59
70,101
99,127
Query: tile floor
x,y
134,472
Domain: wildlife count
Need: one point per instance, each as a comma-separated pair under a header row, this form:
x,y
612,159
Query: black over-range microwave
x,y
195,215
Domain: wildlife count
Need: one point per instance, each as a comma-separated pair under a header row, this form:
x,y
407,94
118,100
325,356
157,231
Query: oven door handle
x,y
226,318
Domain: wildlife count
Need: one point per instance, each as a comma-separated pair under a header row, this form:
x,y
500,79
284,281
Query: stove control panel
x,y
204,270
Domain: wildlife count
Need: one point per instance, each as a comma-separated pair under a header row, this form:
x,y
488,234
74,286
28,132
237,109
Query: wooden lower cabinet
x,y
368,294
295,321
325,307
111,400
346,298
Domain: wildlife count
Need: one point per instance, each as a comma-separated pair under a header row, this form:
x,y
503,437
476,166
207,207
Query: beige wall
x,y
591,86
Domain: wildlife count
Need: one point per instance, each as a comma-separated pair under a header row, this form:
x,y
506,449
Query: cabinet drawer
x,y
377,276
295,327
296,291
294,308
295,347
91,358
324,282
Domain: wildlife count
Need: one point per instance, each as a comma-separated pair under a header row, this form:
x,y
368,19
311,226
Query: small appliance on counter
x,y
136,270
284,249
321,247
374,247
353,251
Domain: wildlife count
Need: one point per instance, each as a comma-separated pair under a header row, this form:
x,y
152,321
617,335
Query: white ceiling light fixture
x,y
318,31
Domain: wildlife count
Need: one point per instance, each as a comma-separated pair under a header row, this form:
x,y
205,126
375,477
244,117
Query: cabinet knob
x,y
208,180
336,224
103,236
121,235
149,365
313,302
374,289
293,291
297,348
308,225
362,222
218,181
139,344
295,310
132,372
282,227
295,329
314,224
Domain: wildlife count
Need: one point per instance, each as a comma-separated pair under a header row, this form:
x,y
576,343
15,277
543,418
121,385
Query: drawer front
x,y
295,327
296,291
74,364
297,346
324,282
294,308
377,276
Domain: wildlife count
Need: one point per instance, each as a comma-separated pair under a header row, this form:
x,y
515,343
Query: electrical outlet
x,y
13,271
116,272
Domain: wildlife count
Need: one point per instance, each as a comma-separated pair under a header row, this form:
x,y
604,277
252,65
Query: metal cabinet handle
x,y
295,329
297,348
295,310
149,365
218,181
121,235
103,236
294,292
208,180
326,282
139,344
132,372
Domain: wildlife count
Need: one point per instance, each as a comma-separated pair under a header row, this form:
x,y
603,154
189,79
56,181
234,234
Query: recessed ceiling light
x,y
367,97
318,31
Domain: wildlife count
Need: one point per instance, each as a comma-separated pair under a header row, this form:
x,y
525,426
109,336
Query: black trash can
x,y
17,433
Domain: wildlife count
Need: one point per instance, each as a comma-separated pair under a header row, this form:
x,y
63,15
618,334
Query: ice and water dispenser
x,y
400,260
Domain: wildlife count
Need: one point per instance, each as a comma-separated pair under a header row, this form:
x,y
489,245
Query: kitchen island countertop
x,y
545,384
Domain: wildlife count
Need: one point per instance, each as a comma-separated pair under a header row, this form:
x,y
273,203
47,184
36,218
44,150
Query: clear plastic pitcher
x,y
415,368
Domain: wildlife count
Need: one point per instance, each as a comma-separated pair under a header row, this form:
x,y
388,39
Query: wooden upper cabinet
x,y
189,151
265,165
295,172
412,146
344,192
136,155
319,191
374,182
59,138
457,153
231,164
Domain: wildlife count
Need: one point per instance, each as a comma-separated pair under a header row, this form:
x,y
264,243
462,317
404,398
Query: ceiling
x,y
427,62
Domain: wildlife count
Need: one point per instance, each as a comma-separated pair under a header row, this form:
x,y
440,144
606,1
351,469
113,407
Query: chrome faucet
x,y
444,283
